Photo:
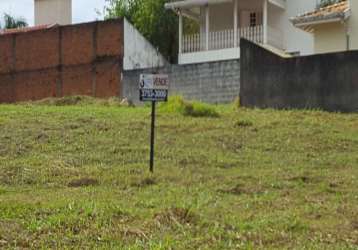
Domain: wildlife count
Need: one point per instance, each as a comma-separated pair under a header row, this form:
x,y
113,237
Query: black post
x,y
151,163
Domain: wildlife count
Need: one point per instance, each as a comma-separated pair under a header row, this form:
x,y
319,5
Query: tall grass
x,y
177,104
77,100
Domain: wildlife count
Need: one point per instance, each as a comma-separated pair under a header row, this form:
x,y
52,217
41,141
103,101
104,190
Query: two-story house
x,y
223,22
334,27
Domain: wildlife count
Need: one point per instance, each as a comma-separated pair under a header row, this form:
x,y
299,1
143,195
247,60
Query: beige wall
x,y
353,25
329,37
53,11
222,16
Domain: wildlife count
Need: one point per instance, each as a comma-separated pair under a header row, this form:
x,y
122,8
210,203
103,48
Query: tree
x,y
158,25
12,22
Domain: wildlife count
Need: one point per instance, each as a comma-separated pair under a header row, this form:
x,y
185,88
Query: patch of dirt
x,y
42,137
305,179
83,182
72,126
354,225
176,216
224,165
229,143
144,183
134,233
241,189
11,232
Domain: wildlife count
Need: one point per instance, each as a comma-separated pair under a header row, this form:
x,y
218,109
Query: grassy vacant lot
x,y
76,177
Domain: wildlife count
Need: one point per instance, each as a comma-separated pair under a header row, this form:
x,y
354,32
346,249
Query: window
x,y
253,19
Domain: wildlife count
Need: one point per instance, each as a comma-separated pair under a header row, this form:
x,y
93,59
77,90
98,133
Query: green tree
x,y
158,25
11,22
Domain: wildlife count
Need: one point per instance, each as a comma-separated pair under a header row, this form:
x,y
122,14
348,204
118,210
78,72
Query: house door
x,y
249,18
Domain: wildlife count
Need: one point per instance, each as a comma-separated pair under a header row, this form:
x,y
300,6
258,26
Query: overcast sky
x,y
82,11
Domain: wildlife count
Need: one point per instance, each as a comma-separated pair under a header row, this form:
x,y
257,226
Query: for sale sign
x,y
153,87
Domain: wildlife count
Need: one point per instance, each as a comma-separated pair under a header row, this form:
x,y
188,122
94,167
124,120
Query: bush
x,y
237,102
176,104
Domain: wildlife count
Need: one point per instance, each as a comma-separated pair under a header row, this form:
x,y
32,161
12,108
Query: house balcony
x,y
222,44
222,23
218,40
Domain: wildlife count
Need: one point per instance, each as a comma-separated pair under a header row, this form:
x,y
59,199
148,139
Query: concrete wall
x,y
215,82
330,37
324,81
83,59
53,11
139,53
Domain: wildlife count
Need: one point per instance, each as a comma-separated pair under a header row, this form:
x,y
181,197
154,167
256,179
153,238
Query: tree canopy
x,y
11,22
158,25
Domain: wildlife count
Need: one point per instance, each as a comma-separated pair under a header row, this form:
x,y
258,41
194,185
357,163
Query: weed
x,y
243,123
177,104
237,103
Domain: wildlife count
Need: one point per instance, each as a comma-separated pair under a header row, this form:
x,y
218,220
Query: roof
x,y
27,29
186,4
334,12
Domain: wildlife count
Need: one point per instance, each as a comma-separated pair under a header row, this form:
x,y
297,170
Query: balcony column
x,y
265,5
180,33
235,23
207,27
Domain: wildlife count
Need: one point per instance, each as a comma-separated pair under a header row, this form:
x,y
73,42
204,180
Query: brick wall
x,y
83,59
212,82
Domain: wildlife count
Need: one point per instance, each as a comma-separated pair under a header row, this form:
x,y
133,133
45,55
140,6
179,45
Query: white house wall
x,y
218,21
297,40
330,37
275,34
222,16
138,52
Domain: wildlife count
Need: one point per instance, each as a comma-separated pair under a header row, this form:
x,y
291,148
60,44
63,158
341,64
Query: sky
x,y
82,11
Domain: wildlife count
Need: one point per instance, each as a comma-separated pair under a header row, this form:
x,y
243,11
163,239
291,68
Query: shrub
x,y
176,104
237,102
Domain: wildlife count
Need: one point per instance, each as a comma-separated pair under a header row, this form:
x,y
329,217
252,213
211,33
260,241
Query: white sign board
x,y
153,87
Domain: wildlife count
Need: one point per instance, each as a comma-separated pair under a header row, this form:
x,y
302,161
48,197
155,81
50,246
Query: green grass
x,y
76,177
177,104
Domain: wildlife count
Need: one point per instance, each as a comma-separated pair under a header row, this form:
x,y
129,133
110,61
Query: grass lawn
x,y
76,177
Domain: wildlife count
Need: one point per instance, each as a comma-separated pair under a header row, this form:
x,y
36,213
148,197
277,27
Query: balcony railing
x,y
221,39
225,39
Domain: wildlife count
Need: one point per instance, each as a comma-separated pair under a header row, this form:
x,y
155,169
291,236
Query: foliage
x,y
11,22
158,25
176,104
76,177
237,102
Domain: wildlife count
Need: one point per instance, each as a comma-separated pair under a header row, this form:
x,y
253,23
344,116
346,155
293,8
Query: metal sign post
x,y
152,130
154,88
